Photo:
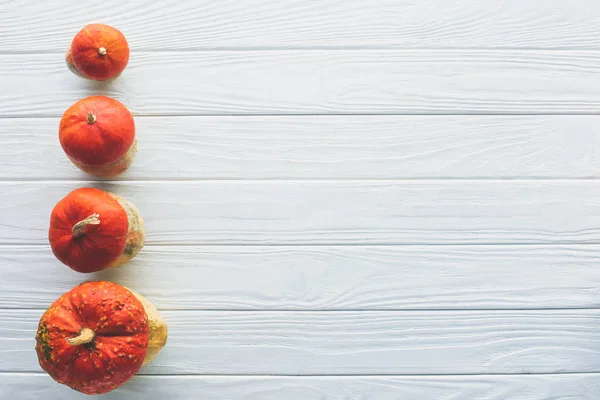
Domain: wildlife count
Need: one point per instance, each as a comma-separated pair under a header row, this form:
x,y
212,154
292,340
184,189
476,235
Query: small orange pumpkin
x,y
99,52
98,135
97,336
91,230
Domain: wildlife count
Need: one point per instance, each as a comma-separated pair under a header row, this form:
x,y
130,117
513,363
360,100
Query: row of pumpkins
x,y
98,335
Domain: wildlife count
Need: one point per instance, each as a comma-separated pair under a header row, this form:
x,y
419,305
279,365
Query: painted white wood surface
x,y
330,212
326,277
353,342
302,244
330,147
317,82
30,25
490,387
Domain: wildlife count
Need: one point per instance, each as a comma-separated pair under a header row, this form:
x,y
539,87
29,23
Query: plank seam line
x,y
338,244
322,48
322,115
16,181
299,179
341,114
7,372
590,310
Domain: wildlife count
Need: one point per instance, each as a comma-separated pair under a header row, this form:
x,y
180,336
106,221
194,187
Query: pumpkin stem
x,y
91,118
86,335
79,227
102,51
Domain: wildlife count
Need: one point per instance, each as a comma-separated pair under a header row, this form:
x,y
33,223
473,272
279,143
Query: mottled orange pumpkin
x,y
98,52
97,336
91,230
98,135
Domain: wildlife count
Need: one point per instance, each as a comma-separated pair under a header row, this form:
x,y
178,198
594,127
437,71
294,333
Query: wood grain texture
x,y
344,200
316,343
330,212
330,147
497,387
317,82
306,23
325,277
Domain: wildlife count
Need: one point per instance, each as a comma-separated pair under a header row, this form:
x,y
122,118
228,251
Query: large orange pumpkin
x,y
91,230
98,135
97,336
98,52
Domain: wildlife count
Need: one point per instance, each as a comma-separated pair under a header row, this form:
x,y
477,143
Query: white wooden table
x,y
374,200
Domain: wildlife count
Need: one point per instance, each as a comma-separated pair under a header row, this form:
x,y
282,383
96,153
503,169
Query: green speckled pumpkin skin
x,y
135,233
157,328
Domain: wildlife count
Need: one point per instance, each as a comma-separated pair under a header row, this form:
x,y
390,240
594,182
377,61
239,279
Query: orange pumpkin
x,y
91,230
97,336
98,135
98,52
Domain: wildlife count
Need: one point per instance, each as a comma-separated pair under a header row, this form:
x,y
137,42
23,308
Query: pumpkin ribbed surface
x,y
98,52
94,337
91,230
96,132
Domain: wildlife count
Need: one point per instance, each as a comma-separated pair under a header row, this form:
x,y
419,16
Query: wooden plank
x,y
330,212
330,147
317,82
325,277
496,387
362,343
307,23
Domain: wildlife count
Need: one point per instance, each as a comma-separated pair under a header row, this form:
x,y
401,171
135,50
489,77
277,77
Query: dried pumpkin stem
x,y
79,227
86,335
102,51
91,118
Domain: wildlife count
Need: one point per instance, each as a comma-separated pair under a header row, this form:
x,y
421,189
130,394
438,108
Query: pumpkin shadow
x,y
102,88
107,186
114,88
125,274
